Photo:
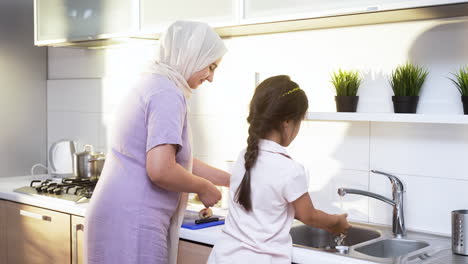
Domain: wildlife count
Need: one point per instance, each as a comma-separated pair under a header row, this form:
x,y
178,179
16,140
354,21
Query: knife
x,y
207,220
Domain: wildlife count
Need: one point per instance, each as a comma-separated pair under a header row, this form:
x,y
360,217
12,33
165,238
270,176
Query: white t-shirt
x,y
262,235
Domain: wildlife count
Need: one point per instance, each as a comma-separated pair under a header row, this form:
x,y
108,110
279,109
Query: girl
x,y
268,188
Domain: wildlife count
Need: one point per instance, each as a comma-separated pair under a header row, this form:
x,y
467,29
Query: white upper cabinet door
x,y
296,9
278,10
156,15
59,20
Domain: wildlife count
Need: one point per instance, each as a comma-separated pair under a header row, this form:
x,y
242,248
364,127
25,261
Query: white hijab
x,y
187,47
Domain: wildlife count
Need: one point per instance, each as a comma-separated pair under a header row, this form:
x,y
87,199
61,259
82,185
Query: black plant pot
x,y
346,103
405,104
464,99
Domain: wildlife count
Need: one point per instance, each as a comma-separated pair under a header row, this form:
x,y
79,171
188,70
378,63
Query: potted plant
x,y
406,82
461,82
346,85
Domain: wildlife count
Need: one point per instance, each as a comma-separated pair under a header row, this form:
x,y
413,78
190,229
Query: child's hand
x,y
341,225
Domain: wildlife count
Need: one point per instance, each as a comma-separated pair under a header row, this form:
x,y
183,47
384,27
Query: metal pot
x,y
97,163
88,164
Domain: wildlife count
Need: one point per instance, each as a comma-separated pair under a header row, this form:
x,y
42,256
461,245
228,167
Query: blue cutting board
x,y
191,216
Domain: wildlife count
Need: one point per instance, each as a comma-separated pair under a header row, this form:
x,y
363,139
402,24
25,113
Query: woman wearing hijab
x,y
137,207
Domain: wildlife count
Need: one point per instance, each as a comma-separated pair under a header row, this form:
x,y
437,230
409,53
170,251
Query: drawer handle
x,y
35,216
78,227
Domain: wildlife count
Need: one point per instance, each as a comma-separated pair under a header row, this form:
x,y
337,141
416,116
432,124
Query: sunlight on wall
x,y
122,69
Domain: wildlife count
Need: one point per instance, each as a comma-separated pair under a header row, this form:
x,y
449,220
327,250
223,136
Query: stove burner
x,y
72,189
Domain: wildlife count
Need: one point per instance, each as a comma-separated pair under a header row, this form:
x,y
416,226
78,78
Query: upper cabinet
x,y
63,21
278,10
66,22
59,21
156,15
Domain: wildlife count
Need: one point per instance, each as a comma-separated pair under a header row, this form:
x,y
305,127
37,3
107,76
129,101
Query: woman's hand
x,y
210,195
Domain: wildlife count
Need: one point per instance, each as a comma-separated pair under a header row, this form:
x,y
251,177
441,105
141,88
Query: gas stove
x,y
77,190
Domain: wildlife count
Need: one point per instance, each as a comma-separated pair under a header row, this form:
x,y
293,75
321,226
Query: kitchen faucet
x,y
398,225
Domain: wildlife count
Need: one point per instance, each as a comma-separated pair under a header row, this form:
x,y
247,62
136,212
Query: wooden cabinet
x,y
3,244
192,253
36,235
77,242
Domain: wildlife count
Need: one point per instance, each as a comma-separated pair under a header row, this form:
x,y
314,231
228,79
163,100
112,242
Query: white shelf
x,y
388,117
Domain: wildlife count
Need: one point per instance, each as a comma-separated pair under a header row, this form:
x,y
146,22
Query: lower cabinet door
x,y
192,253
77,229
36,235
3,244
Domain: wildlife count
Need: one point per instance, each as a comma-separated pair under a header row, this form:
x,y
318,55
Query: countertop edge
x,y
46,203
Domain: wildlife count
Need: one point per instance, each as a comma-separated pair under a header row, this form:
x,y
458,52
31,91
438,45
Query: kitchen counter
x,y
206,235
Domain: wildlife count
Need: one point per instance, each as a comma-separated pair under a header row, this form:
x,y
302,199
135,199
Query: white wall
x,y
85,86
22,91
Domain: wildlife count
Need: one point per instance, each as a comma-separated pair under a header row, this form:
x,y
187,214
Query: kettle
x,y
61,157
88,164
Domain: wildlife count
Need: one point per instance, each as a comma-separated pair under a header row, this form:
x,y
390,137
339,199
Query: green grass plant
x,y
407,79
461,81
346,83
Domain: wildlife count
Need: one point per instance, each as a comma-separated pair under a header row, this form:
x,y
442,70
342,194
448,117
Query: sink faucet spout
x,y
344,191
398,225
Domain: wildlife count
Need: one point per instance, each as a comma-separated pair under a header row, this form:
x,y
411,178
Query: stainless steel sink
x,y
390,248
307,236
371,242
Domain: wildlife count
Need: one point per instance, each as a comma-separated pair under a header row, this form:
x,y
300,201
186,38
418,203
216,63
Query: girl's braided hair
x,y
276,99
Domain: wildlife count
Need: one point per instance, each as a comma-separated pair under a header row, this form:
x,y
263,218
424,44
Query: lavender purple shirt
x,y
128,217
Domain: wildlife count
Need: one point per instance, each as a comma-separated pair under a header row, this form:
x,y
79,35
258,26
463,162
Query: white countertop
x,y
206,235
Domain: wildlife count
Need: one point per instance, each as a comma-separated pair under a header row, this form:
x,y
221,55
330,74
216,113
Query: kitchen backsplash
x,y
86,86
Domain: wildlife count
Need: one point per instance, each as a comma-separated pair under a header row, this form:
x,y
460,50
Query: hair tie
x,y
290,91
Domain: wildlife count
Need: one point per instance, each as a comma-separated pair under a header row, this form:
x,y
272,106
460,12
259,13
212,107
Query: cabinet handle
x,y
78,227
35,216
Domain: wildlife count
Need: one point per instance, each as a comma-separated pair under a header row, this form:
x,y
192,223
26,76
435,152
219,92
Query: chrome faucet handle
x,y
393,179
398,224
